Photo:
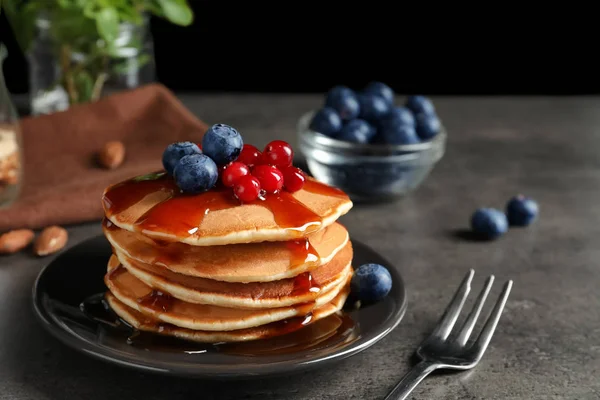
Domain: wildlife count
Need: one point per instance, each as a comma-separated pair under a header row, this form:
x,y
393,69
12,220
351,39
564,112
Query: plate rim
x,y
204,370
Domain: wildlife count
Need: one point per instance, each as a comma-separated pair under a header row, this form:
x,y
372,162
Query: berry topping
x,y
521,210
489,223
247,188
293,179
222,143
175,151
381,89
344,101
326,121
250,155
428,125
225,162
196,173
373,107
357,131
371,283
233,172
420,105
396,133
270,178
278,153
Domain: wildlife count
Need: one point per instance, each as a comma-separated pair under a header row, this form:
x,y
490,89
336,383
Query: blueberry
x,y
196,173
175,151
357,131
381,89
372,107
222,143
393,132
326,121
427,126
344,101
420,105
402,115
521,210
370,283
489,223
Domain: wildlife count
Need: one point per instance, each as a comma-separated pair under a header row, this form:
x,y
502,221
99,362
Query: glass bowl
x,y
11,153
368,172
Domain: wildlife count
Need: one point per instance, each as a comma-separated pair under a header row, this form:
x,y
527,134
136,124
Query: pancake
x,y
253,262
286,292
145,323
153,205
308,337
141,297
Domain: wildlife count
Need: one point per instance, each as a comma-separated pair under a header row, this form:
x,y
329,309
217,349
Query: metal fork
x,y
445,349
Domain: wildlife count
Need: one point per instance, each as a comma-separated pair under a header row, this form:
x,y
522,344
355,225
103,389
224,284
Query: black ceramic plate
x,y
76,277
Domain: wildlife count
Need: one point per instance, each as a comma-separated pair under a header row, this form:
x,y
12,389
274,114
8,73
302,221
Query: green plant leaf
x,y
155,9
107,21
89,10
66,3
143,59
84,84
129,65
177,11
130,15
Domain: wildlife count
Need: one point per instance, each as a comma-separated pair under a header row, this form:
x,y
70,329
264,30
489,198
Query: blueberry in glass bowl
x,y
379,158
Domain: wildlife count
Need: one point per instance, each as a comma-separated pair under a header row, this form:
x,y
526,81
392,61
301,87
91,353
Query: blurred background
x,y
310,46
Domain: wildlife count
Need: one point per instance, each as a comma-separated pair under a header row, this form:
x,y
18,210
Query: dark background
x,y
309,46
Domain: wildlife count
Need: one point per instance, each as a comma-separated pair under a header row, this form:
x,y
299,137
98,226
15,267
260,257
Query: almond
x,y
50,240
16,240
112,154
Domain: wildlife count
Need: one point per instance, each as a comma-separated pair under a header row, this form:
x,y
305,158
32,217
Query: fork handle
x,y
411,380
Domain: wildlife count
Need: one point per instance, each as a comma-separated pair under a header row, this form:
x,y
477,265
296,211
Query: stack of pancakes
x,y
208,268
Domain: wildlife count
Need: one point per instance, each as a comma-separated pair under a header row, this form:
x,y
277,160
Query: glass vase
x,y
67,69
11,158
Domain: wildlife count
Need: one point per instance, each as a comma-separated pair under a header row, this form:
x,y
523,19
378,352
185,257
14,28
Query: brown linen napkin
x,y
63,183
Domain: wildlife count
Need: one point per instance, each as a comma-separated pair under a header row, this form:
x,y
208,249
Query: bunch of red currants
x,y
255,174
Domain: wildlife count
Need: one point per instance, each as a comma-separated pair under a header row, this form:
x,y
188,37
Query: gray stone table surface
x,y
547,345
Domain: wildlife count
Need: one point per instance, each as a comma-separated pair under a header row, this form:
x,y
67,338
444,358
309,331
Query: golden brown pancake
x,y
305,338
148,324
154,205
141,297
282,293
253,262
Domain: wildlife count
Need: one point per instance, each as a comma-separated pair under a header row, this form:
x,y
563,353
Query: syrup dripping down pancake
x,y
156,304
252,262
148,324
282,293
154,206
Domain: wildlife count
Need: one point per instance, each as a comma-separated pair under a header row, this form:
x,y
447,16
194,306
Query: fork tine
x,y
469,324
450,315
490,326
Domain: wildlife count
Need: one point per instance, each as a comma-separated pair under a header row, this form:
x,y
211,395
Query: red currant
x,y
278,153
233,172
247,188
293,179
270,178
249,155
